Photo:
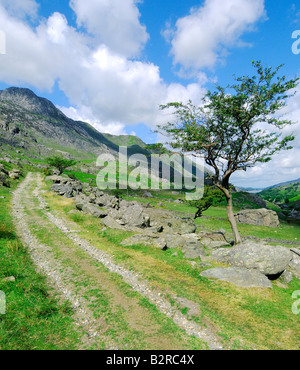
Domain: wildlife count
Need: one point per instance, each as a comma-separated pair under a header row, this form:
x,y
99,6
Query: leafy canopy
x,y
225,129
60,163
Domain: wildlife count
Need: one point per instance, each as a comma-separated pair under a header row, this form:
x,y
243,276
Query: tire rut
x,y
133,279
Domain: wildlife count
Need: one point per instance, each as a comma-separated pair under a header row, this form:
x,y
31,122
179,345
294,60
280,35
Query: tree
x,y
211,197
60,163
225,129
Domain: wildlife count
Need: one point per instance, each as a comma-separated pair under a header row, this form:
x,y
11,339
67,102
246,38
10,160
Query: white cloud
x,y
202,38
20,8
114,23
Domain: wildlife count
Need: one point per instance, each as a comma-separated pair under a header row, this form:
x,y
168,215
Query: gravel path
x,y
51,268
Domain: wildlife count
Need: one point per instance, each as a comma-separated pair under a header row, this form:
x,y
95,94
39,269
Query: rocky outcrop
x,y
269,260
239,276
258,217
249,264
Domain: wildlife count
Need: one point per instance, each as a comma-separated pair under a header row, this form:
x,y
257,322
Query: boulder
x,y
239,276
269,260
259,217
192,248
93,210
174,241
134,216
294,265
167,222
144,239
15,174
213,240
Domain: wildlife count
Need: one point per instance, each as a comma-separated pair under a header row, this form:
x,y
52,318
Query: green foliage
x,y
223,129
211,197
60,163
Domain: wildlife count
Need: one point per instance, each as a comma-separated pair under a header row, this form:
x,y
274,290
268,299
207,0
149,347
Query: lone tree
x,y
226,131
60,163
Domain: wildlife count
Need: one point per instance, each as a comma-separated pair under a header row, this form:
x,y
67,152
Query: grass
x,y
34,319
244,318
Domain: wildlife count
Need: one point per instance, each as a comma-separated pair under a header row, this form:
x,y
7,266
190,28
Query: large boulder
x,y
134,216
167,222
259,217
269,260
93,210
239,276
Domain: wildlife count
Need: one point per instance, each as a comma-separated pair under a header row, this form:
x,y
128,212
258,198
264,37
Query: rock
x,y
286,277
193,249
214,240
15,174
111,223
294,265
9,279
269,260
221,255
239,276
93,210
259,217
174,241
134,216
169,223
143,239
147,194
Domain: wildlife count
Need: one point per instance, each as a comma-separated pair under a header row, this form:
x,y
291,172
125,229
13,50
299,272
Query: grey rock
x,y
193,249
94,210
259,217
134,216
294,265
174,241
239,276
286,277
112,223
9,279
269,260
143,239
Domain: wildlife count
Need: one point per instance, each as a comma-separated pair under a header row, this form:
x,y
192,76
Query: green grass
x,y
34,319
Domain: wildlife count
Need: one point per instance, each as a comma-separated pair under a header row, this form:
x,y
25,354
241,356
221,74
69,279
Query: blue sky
x,y
112,62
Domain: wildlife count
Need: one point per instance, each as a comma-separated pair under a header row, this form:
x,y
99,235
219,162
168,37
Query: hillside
x,y
35,124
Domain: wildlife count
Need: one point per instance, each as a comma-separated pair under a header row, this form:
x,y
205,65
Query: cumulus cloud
x,y
114,23
102,85
204,36
21,8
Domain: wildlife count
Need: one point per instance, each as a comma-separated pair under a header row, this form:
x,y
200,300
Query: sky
x,y
113,62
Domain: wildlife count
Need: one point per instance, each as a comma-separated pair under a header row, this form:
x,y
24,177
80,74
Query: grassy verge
x,y
33,319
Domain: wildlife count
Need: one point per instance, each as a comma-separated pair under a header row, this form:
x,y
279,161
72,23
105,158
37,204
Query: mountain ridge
x,y
34,123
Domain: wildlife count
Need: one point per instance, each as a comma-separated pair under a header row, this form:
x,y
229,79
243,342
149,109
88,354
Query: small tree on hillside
x,y
225,130
60,163
211,197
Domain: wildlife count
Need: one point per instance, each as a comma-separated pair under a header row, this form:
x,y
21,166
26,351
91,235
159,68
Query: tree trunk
x,y
232,220
230,214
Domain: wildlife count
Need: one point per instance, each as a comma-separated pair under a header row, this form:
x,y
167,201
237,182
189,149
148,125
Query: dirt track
x,y
89,278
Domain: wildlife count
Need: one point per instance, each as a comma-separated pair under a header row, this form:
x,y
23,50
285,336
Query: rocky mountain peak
x,y
28,100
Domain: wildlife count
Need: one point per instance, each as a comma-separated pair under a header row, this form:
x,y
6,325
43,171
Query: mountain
x,y
284,184
35,124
